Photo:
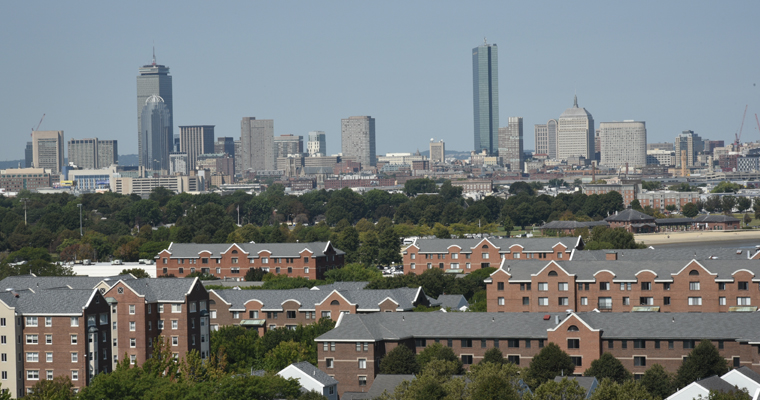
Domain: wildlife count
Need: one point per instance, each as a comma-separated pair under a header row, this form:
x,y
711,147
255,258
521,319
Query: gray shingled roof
x,y
452,301
341,286
51,282
665,326
630,215
53,301
715,218
679,253
191,250
716,383
365,299
749,373
315,373
162,289
528,244
586,382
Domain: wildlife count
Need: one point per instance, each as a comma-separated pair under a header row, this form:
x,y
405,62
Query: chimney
x,y
556,319
611,256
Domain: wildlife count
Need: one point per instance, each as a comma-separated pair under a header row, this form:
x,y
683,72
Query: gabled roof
x,y
162,289
314,373
676,253
470,245
53,301
250,250
715,218
630,215
49,282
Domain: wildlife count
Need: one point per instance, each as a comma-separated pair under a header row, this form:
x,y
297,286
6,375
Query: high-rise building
x,y
238,156
154,79
155,134
575,133
93,153
47,150
691,143
178,163
485,97
257,144
623,143
28,155
225,145
357,139
511,144
546,138
660,146
437,151
286,145
317,144
175,143
196,140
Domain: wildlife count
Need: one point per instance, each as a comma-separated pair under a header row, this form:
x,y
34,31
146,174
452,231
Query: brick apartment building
x,y
232,261
660,199
269,309
351,353
715,285
466,255
176,309
629,191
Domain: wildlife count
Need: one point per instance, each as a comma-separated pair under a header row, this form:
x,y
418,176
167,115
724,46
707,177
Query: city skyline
x,y
311,83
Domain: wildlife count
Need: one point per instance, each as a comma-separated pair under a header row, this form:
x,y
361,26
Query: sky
x,y
678,65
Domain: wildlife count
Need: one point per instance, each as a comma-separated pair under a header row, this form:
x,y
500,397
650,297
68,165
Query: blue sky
x,y
676,65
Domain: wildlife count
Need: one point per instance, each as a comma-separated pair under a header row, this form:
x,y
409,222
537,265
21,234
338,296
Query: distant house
x,y
311,379
633,221
588,383
453,302
716,222
734,380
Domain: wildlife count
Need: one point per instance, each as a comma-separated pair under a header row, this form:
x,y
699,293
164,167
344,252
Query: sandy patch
x,y
651,239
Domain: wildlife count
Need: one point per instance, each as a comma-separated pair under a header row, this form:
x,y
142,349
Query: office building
x,y
196,140
691,143
225,145
623,143
17,179
154,79
47,150
91,180
357,136
92,153
28,155
485,97
257,144
317,144
178,163
155,135
238,156
437,151
575,133
286,145
661,157
546,138
660,146
175,143
511,144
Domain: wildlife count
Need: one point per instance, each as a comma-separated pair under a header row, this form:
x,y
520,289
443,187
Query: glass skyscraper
x,y
485,97
154,79
155,134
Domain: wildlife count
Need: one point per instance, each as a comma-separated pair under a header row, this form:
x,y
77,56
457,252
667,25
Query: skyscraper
x,y
575,133
155,134
28,155
357,139
546,138
47,150
691,143
285,145
195,140
225,145
154,79
437,151
485,97
257,144
623,143
511,144
93,153
317,144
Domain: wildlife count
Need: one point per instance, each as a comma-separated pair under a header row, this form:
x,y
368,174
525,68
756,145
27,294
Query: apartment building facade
x,y
467,255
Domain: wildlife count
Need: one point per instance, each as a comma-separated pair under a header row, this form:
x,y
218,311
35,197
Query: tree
x,y
521,187
551,361
658,382
400,360
508,225
493,355
702,362
747,219
437,351
286,353
136,272
744,203
608,389
389,247
60,388
690,210
671,207
424,185
494,381
607,366
355,272
636,205
727,187
566,389
651,185
255,275
727,204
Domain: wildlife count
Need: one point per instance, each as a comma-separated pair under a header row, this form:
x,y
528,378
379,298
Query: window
x,y
192,307
5,376
466,342
646,301
48,321
695,301
176,308
540,343
74,339
362,381
666,300
543,286
639,344
290,314
646,285
132,342
49,374
48,357
639,361
623,344
74,357
693,272
450,342
720,344
175,324
563,301
514,359
500,286
625,286
132,358
2,321
466,359
584,301
605,303
362,363
501,301
543,301
742,301
721,286
552,273
513,343
131,309
604,286
32,374
160,308
671,344
688,344
485,255
722,301
626,301
326,314
31,339
743,285
666,286
74,374
737,362
104,319
524,286
420,342
526,301
132,326
577,361
32,356
31,321
91,320
573,343
328,362
562,286
693,285
175,340
610,344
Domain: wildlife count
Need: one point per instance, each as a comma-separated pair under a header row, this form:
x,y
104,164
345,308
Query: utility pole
x,y
80,219
24,201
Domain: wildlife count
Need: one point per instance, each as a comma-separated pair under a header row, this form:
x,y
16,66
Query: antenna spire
x,y
154,55
575,101
485,42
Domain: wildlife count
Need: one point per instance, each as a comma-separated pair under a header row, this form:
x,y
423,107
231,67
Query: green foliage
x,y
651,185
603,237
658,382
702,362
551,361
353,273
493,355
609,389
60,388
732,395
690,210
437,351
607,366
566,389
400,360
414,186
136,272
683,187
492,380
286,353
727,187
521,187
255,275
283,282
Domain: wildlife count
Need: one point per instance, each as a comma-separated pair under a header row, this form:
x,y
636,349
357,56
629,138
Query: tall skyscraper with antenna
x,y
485,97
154,79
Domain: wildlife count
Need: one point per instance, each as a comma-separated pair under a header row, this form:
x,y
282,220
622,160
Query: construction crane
x,y
758,122
38,125
739,134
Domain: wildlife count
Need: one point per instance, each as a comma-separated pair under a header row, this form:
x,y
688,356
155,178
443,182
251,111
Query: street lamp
x,y
80,219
